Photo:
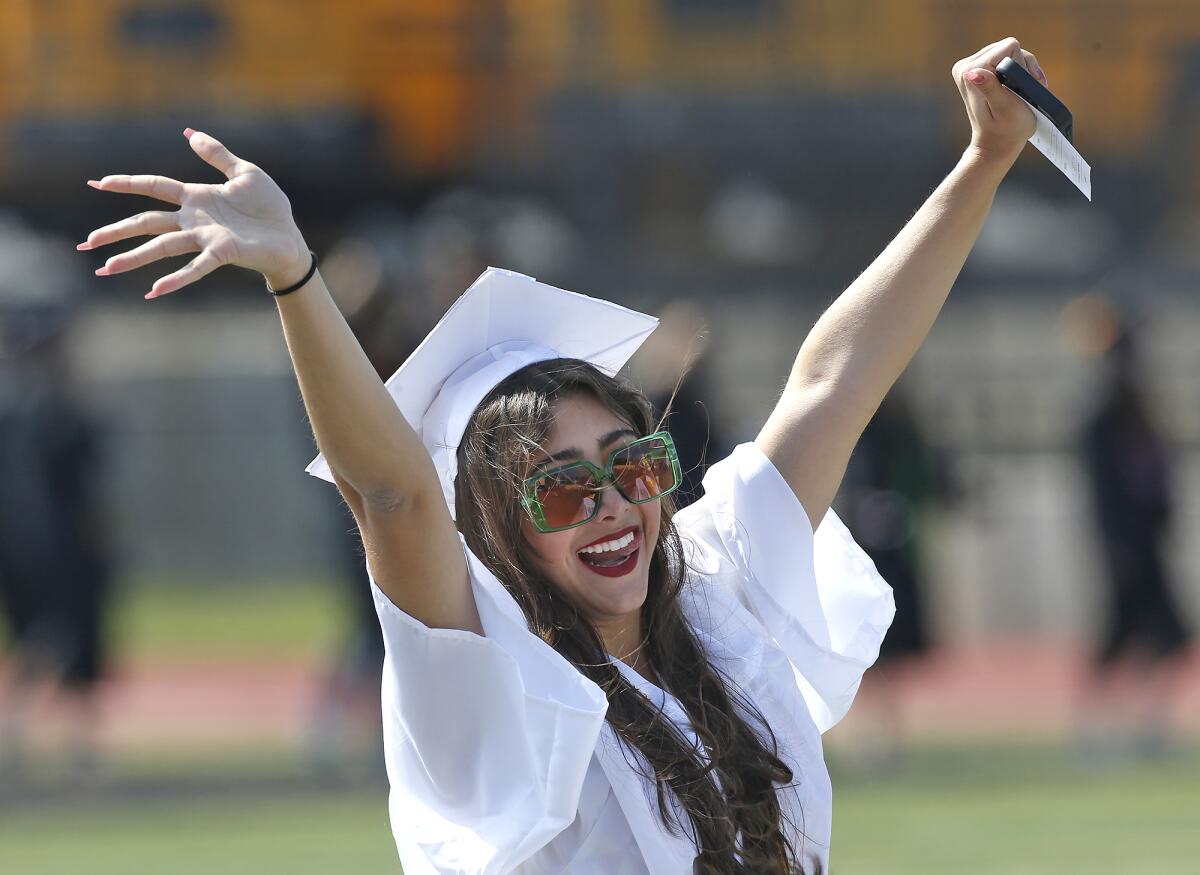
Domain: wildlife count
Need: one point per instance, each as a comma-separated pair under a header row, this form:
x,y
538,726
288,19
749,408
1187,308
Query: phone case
x,y
1019,80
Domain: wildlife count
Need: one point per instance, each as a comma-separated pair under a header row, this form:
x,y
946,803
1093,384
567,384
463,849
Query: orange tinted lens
x,y
644,471
567,496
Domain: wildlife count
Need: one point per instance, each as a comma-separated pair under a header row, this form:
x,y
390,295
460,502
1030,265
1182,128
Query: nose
x,y
612,503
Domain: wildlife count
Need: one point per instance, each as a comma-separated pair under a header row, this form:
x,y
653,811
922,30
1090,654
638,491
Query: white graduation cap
x,y
502,323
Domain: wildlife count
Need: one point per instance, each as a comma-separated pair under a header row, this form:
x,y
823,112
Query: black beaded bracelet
x,y
312,270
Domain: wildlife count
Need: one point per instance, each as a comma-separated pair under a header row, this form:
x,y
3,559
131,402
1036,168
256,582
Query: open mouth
x,y
619,557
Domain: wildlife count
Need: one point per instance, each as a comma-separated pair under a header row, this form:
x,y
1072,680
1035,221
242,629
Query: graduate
x,y
577,678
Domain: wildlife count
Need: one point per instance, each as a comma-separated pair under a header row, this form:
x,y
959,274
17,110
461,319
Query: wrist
x,y
290,269
985,157
281,291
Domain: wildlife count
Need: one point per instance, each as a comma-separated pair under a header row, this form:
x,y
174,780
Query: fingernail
x,y
84,245
93,183
151,294
102,271
975,77
187,132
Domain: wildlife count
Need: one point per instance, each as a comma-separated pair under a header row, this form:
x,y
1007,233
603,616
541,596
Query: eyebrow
x,y
576,453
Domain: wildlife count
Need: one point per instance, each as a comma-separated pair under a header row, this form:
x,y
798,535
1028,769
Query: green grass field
x,y
966,809
1019,811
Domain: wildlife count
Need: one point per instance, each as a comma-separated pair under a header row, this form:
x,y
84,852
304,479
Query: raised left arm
x,y
863,342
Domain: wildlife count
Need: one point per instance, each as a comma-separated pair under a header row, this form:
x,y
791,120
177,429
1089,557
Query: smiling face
x,y
608,585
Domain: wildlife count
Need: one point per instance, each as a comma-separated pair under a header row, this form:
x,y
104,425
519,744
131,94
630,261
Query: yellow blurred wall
x,y
429,70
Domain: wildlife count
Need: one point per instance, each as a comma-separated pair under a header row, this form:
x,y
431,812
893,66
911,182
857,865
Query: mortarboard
x,y
502,323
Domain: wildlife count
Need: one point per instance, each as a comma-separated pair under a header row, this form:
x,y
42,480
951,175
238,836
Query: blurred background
x,y
190,666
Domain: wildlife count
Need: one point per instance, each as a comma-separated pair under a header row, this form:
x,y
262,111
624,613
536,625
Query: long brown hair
x,y
740,830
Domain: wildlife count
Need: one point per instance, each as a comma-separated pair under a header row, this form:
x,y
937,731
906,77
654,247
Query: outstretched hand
x,y
246,220
1001,123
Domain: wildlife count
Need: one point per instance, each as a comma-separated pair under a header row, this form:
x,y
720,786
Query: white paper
x,y
1050,141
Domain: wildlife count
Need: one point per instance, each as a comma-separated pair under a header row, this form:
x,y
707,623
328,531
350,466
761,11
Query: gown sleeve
x,y
487,738
816,595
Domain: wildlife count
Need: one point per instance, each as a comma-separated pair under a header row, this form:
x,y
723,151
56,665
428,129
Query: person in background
x,y
54,564
893,478
1144,636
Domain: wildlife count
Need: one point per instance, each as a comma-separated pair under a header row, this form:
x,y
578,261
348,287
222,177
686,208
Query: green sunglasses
x,y
569,496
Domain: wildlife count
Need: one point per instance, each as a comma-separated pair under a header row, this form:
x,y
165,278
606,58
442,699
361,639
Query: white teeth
x,y
609,546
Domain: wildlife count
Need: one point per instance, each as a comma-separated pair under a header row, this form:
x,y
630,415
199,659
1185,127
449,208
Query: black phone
x,y
1019,80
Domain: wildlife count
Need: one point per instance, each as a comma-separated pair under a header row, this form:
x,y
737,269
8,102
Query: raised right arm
x,y
379,463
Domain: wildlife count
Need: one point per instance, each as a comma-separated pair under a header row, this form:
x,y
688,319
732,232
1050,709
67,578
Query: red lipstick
x,y
619,562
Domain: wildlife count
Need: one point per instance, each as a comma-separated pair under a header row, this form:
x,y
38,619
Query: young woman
x,y
578,680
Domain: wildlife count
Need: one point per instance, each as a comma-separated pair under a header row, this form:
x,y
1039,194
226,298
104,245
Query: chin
x,y
634,598
627,598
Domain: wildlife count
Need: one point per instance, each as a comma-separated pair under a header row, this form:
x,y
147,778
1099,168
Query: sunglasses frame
x,y
604,476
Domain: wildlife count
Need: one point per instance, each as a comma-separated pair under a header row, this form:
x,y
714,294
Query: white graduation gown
x,y
497,751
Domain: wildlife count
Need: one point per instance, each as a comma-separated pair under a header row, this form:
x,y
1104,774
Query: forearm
x,y
862,343
365,438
